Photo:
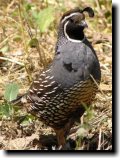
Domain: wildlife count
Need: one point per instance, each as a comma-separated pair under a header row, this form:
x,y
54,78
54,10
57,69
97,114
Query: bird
x,y
61,93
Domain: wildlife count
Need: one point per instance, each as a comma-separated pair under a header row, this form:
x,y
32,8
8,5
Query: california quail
x,y
60,94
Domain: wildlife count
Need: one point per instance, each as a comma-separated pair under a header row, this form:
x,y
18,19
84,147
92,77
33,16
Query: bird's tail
x,y
19,100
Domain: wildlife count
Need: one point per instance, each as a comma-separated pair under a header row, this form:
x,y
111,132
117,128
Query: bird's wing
x,y
43,87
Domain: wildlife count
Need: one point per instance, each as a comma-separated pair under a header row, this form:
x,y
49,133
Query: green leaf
x,y
44,18
27,120
11,91
17,38
28,6
33,42
5,49
6,110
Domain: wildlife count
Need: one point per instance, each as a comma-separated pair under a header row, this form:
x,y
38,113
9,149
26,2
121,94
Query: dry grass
x,y
20,63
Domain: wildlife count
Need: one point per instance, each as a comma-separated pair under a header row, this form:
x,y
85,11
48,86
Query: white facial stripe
x,y
70,39
76,13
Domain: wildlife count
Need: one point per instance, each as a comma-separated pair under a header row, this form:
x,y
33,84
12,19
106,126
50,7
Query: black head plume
x,y
89,10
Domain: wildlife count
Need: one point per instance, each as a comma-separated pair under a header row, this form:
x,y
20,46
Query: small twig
x,y
99,118
22,28
99,143
10,5
11,60
24,41
42,57
29,29
98,4
13,20
5,40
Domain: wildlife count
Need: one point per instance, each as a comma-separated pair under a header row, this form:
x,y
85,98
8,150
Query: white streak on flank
x,y
40,89
52,82
31,91
50,92
49,85
45,86
66,17
55,88
47,77
42,74
44,81
35,89
51,77
41,85
40,104
40,79
70,39
36,81
47,70
38,92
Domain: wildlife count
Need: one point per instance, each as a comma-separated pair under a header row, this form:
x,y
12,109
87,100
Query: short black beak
x,y
84,24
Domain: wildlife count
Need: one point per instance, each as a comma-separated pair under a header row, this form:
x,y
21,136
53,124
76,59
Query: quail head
x,y
60,94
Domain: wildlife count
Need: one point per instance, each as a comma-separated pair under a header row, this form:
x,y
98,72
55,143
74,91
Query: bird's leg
x,y
63,132
60,133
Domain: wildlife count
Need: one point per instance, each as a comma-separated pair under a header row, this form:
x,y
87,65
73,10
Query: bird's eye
x,y
58,52
71,20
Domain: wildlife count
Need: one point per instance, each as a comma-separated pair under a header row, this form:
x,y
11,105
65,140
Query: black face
x,y
74,23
